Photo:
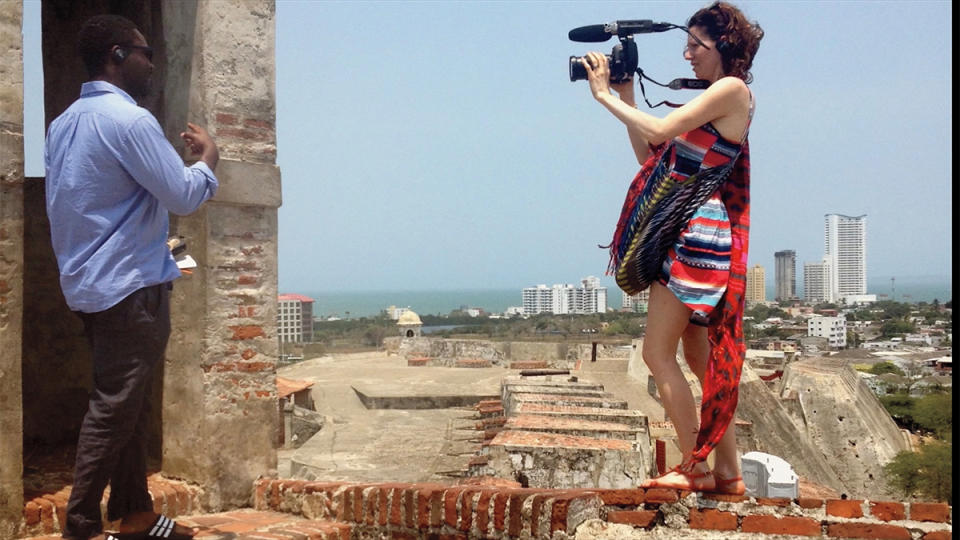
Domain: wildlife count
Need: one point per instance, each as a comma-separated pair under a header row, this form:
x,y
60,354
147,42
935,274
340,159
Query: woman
x,y
696,296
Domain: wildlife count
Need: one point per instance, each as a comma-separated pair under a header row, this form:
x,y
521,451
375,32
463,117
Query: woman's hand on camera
x,y
598,74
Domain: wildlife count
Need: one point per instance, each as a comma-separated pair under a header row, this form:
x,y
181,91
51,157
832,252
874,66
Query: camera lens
x,y
577,71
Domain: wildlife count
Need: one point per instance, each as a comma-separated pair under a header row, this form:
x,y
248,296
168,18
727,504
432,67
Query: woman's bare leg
x,y
666,321
726,464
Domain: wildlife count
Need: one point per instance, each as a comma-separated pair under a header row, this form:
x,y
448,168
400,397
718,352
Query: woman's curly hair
x,y
737,38
98,34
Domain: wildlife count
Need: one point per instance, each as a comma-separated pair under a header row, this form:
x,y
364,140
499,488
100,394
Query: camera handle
x,y
676,84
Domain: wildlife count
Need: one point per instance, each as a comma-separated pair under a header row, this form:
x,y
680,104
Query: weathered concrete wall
x,y
846,422
447,351
220,391
11,268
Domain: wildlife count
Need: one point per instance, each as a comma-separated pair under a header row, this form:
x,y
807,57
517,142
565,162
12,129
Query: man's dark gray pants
x,y
128,341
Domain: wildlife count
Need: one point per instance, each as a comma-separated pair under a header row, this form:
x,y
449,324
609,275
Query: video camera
x,y
624,57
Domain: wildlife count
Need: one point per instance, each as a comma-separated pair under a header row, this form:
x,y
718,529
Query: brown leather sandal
x,y
689,476
725,482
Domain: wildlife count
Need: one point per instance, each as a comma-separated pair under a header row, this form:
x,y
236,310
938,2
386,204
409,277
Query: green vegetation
x,y
929,471
885,367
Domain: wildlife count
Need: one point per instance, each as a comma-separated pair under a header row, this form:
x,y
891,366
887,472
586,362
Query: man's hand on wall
x,y
201,143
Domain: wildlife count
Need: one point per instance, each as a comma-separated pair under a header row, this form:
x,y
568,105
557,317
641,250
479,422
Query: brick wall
x,y
401,510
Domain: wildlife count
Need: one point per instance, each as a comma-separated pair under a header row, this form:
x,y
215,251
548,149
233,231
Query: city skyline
x,y
419,158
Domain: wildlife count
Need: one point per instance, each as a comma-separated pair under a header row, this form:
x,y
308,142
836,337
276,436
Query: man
x,y
111,179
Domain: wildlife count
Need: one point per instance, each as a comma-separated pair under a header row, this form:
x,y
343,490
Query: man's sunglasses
x,y
147,51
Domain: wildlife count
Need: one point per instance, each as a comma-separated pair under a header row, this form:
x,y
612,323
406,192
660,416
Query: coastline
x,y
354,304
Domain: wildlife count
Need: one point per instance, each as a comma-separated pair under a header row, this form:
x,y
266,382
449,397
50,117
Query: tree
x,y
934,412
885,367
896,327
929,471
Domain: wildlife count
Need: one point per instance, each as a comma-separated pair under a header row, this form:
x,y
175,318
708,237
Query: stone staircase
x,y
560,432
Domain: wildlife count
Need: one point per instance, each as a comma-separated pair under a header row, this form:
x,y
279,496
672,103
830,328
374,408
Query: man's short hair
x,y
98,34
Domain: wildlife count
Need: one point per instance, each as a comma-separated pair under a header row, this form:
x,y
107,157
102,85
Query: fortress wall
x,y
404,510
11,267
220,389
846,423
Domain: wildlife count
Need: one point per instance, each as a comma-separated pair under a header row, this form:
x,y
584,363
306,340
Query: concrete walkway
x,y
358,444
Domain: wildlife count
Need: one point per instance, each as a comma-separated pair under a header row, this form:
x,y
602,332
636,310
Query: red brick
x,y
808,503
226,119
621,497
710,518
241,133
247,280
275,494
450,506
499,510
483,510
429,506
939,512
637,518
396,505
382,510
938,535
516,518
31,513
661,495
888,511
845,508
257,123
246,332
786,525
466,509
535,510
410,506
46,514
184,501
867,530
774,501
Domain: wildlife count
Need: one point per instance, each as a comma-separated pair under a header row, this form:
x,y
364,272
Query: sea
x,y
355,304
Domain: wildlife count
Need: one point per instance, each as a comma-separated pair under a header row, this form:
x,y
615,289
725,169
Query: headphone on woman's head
x,y
119,54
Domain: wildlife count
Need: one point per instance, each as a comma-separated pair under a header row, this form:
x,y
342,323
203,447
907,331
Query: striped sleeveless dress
x,y
691,202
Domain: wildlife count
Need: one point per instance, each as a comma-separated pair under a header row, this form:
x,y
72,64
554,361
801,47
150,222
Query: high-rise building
x,y
637,303
589,297
756,284
816,282
785,270
295,318
845,244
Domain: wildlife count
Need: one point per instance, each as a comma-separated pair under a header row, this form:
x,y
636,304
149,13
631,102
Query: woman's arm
x,y
726,97
641,148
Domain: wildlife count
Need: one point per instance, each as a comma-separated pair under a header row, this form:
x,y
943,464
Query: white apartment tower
x,y
816,282
785,270
589,297
756,284
845,245
295,318
832,328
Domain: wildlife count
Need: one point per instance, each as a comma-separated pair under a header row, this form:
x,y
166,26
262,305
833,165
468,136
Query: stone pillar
x,y
220,416
11,268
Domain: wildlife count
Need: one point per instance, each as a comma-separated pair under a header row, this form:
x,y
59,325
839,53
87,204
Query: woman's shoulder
x,y
731,84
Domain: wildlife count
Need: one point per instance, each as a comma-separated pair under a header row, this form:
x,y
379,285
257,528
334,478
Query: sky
x,y
441,145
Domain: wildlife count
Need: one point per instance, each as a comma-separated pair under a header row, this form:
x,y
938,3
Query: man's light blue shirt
x,y
111,178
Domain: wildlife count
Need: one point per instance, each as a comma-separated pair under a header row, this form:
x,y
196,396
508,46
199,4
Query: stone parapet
x,y
403,510
11,265
46,513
